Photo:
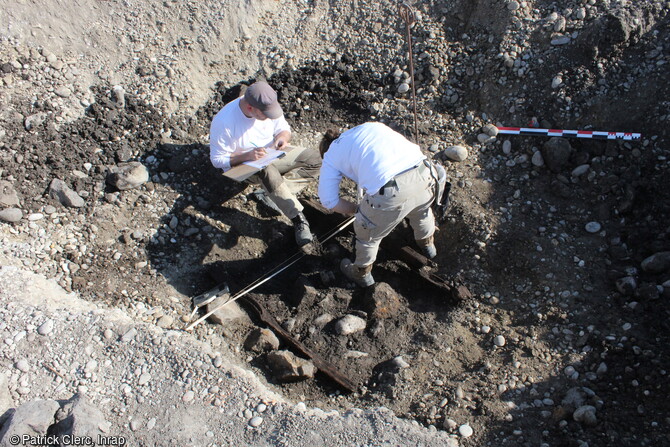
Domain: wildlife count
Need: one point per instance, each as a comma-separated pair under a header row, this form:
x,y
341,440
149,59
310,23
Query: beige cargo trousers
x,y
297,166
409,194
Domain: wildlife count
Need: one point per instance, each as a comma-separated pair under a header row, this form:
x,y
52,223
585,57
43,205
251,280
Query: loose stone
x,y
507,147
593,227
256,421
556,82
456,153
403,88
11,215
561,40
46,328
22,365
465,430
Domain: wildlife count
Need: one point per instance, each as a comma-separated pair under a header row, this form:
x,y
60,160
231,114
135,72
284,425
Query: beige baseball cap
x,y
263,97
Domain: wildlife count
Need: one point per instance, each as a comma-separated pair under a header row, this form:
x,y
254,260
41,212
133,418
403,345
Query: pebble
x,y
459,392
465,430
499,340
22,365
151,424
450,424
490,130
23,390
46,328
350,324
585,414
559,25
63,92
561,40
592,227
484,138
256,421
507,147
580,170
556,82
91,366
399,362
129,335
456,153
144,379
188,396
403,87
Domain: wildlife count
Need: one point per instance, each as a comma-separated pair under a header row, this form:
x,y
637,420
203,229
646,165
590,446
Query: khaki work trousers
x,y
379,214
298,165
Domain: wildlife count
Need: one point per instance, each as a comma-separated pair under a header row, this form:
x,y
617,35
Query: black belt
x,y
392,182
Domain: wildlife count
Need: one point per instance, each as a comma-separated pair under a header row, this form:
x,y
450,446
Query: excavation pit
x,y
552,301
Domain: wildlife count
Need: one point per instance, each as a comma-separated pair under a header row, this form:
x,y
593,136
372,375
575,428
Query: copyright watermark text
x,y
64,440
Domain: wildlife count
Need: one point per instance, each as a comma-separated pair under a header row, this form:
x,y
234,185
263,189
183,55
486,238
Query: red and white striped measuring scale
x,y
595,134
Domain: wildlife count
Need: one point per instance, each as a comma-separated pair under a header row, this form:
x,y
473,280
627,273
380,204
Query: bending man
x,y
243,129
397,183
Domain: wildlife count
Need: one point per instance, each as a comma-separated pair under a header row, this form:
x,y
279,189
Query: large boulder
x,y
287,367
66,196
79,418
31,419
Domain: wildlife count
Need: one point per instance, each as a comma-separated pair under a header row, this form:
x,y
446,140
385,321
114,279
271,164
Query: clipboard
x,y
270,156
245,170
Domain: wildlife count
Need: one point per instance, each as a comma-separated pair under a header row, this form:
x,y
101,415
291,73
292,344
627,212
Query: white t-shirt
x,y
370,154
232,130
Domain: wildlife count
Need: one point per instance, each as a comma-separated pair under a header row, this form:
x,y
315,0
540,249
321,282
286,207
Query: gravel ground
x,y
563,242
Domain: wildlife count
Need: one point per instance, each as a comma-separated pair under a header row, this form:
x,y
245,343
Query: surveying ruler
x,y
594,134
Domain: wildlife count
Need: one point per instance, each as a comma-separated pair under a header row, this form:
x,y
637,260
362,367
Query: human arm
x,y
281,139
345,207
240,156
329,187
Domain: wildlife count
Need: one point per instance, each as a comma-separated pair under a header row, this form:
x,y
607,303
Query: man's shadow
x,y
215,225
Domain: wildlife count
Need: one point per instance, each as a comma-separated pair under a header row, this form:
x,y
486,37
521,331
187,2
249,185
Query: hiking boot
x,y
303,235
427,246
359,275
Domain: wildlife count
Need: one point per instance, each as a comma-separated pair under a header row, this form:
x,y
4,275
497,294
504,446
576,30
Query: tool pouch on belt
x,y
442,188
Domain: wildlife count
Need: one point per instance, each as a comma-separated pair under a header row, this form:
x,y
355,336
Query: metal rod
x,y
269,276
407,14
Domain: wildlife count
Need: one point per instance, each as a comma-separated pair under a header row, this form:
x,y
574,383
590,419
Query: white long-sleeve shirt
x,y
231,130
370,154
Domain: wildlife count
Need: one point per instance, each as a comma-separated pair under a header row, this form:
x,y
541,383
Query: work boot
x,y
427,246
262,197
303,235
359,275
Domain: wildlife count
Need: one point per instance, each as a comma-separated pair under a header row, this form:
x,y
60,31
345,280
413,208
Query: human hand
x,y
256,154
346,207
280,143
